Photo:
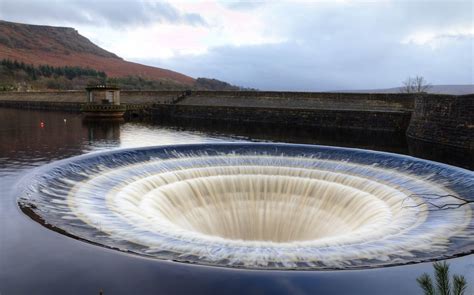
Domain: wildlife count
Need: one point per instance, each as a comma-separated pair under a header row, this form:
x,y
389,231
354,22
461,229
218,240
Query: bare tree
x,y
418,84
430,199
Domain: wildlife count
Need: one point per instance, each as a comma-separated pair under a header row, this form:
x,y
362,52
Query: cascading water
x,y
269,206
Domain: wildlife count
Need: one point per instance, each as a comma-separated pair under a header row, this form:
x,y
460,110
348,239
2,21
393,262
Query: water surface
x,y
35,260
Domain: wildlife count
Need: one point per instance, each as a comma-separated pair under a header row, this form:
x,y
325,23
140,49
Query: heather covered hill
x,y
60,47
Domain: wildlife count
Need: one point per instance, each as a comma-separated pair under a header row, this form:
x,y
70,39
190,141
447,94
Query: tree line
x,y
35,72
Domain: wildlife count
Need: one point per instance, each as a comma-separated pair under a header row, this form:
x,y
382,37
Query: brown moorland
x,y
62,46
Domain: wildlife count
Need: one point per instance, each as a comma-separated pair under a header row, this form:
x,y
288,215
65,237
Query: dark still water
x,y
35,260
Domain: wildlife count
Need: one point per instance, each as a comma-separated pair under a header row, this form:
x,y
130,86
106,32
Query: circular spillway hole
x,y
256,207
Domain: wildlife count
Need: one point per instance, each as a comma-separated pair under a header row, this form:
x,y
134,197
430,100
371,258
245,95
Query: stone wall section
x,y
127,97
45,96
444,119
302,100
395,121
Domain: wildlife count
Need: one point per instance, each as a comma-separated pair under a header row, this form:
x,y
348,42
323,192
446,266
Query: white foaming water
x,y
251,203
261,210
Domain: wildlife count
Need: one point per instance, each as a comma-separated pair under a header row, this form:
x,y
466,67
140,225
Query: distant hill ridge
x,y
435,89
61,46
49,39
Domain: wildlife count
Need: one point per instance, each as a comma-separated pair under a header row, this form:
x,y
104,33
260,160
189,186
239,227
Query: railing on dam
x,y
103,108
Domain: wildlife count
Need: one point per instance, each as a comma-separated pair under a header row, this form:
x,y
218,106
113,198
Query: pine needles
x,y
443,282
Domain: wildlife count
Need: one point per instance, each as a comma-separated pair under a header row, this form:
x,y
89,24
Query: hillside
x,y
60,46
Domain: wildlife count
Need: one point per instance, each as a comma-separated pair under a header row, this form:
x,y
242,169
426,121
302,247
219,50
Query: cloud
x,y
242,4
331,46
99,13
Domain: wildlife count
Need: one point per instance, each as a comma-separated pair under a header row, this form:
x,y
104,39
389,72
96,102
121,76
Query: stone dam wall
x,y
74,97
72,100
381,112
441,119
396,121
302,100
444,119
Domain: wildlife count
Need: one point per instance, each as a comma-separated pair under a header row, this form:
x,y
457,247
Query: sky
x,y
277,45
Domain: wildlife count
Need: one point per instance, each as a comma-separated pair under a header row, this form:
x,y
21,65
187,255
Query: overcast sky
x,y
277,45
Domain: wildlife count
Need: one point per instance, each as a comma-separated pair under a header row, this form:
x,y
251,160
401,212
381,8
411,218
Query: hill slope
x,y
60,46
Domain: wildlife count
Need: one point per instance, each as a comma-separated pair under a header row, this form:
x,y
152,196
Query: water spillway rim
x,y
343,156
231,144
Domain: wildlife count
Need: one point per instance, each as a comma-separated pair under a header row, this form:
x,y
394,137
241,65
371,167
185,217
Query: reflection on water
x,y
450,155
30,138
366,139
108,130
34,260
394,142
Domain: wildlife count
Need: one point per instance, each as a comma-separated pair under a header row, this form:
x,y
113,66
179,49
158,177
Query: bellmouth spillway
x,y
261,206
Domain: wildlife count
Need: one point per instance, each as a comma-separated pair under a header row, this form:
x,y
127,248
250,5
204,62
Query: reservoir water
x,y
35,260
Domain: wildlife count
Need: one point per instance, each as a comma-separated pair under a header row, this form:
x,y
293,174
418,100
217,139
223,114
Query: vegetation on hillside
x,y
214,84
139,83
15,75
18,76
